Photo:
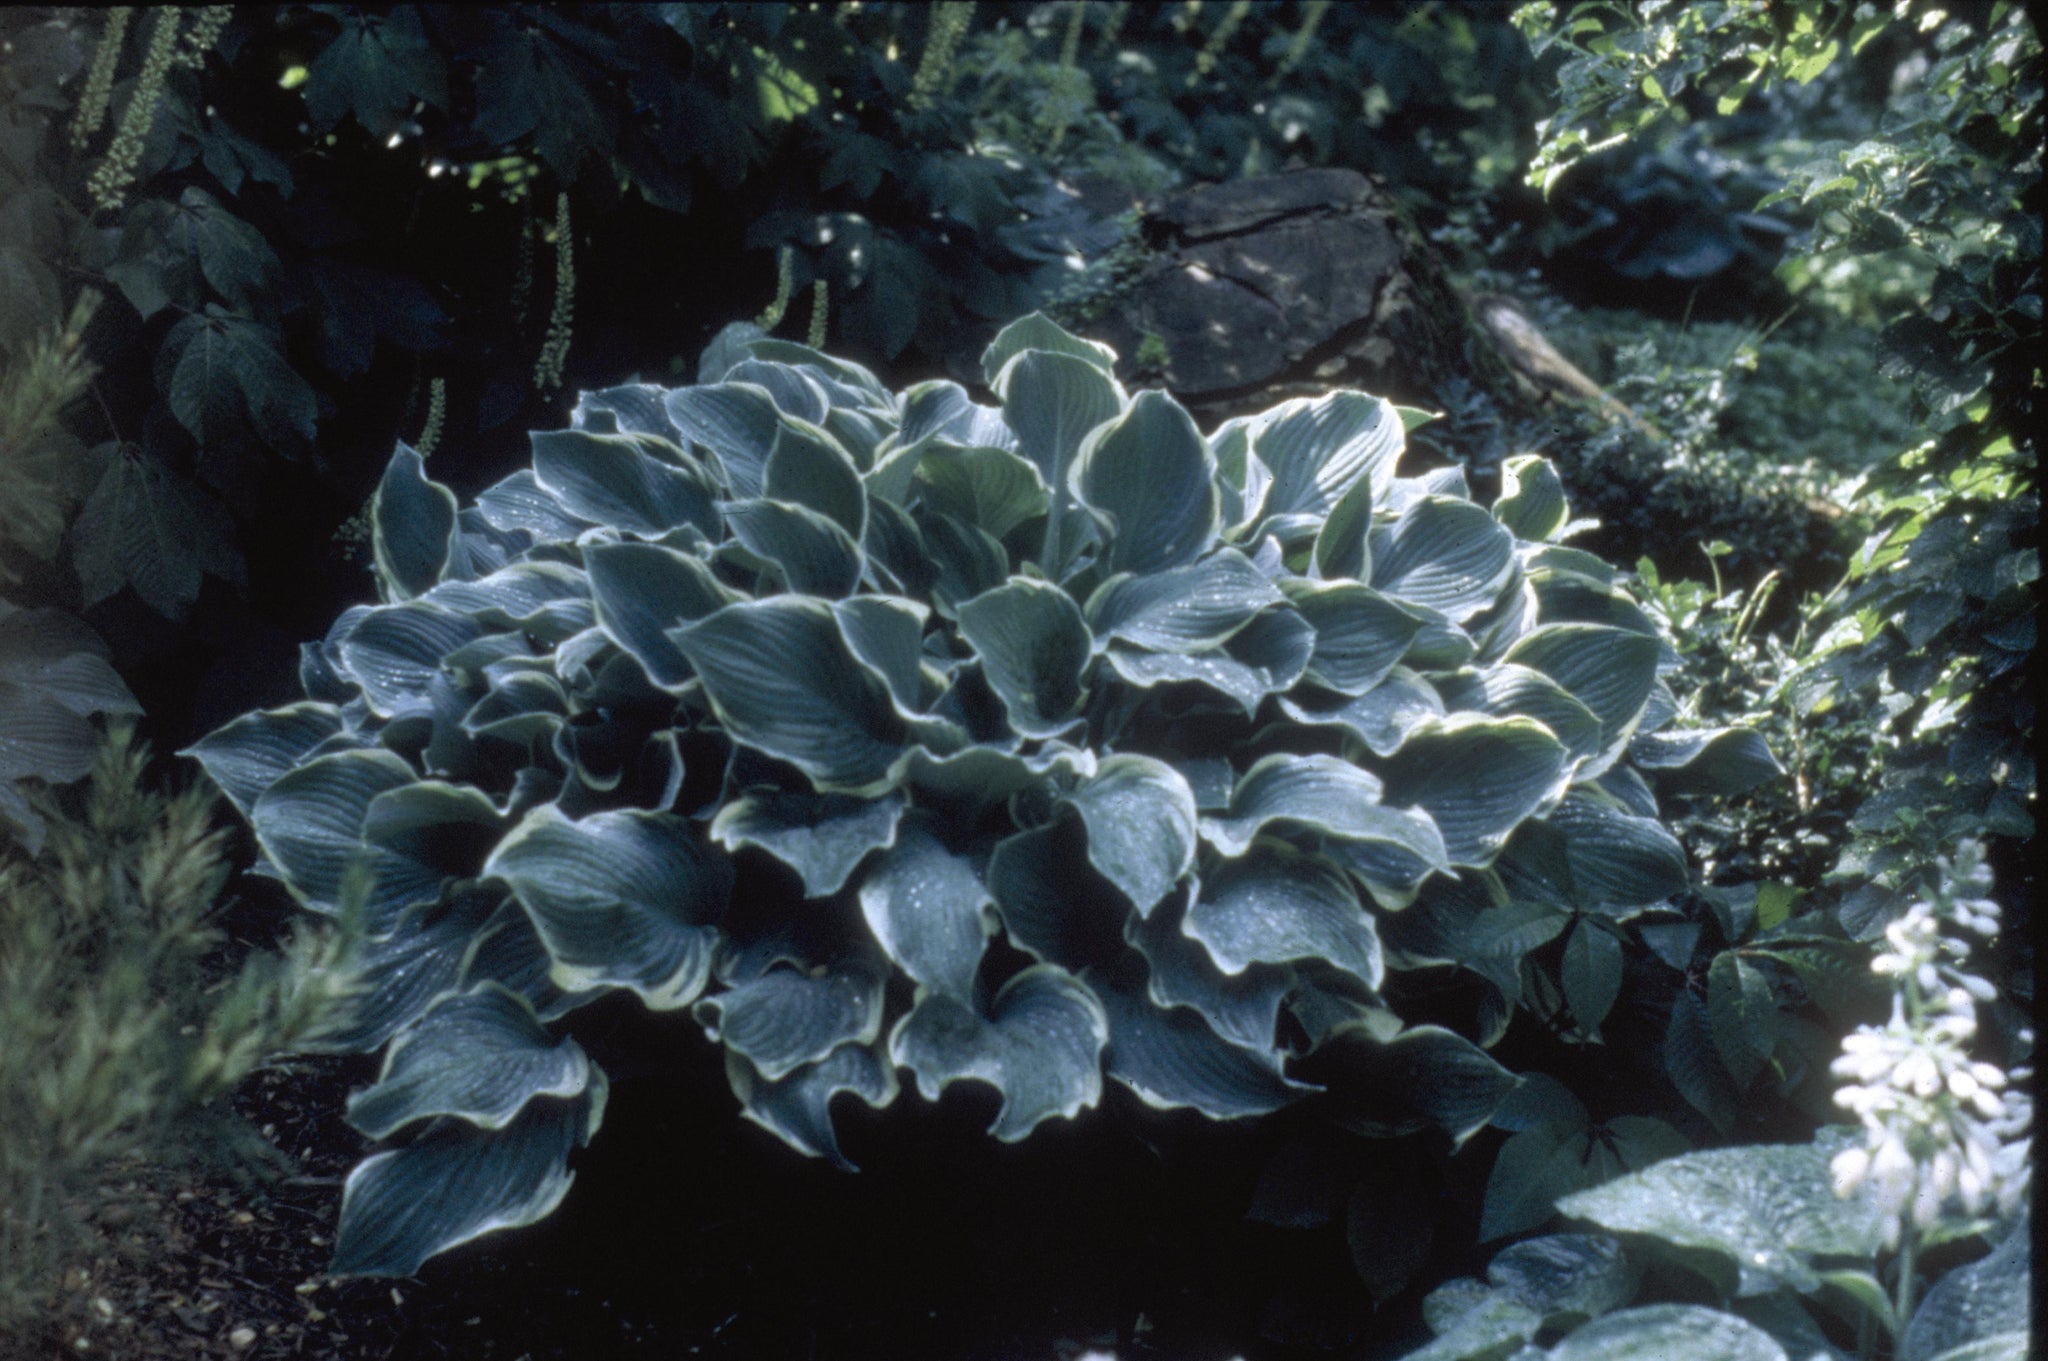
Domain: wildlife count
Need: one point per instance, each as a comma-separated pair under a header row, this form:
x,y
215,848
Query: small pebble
x,y
242,1338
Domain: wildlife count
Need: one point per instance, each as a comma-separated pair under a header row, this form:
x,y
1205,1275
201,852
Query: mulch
x,y
691,1233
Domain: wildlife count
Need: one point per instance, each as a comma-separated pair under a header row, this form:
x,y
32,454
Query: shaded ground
x,y
693,1234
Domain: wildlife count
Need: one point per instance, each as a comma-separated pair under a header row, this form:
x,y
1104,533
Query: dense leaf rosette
x,y
1124,750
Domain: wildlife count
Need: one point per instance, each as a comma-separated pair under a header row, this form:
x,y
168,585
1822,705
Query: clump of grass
x,y
123,1030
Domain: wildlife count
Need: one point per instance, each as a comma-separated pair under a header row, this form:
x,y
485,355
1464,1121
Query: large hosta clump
x,y
896,733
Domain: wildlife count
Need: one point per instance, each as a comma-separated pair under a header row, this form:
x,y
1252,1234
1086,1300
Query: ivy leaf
x,y
147,527
227,380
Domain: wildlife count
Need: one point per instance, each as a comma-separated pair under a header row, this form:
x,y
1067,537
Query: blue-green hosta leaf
x,y
736,422
943,408
1343,548
809,468
480,1055
780,678
1242,1008
1276,905
457,1182
638,483
993,489
310,820
798,1109
794,392
1439,645
730,346
1360,634
57,655
823,837
1478,778
928,908
1319,448
983,776
1140,816
1266,656
507,950
1744,1014
1724,761
1034,648
1609,670
393,651
786,1017
1980,1312
846,383
425,834
1494,630
1184,609
1243,480
1393,864
636,408
937,406
548,599
1771,1208
519,502
1660,1332
1172,1059
1039,1043
1617,859
43,738
1321,793
1052,400
1474,1323
1038,332
247,756
1151,473
963,560
1052,902
1424,1076
1444,553
412,527
398,976
1507,689
886,634
1566,1273
1532,501
643,590
813,555
621,899
1383,717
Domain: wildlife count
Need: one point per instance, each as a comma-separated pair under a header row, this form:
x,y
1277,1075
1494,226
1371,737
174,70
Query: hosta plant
x,y
890,734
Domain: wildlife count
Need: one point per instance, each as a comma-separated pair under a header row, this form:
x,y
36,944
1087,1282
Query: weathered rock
x,y
1297,282
1291,285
